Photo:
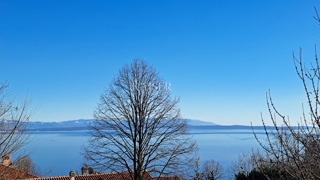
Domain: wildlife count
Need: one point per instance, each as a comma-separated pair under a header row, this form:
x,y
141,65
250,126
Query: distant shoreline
x,y
191,127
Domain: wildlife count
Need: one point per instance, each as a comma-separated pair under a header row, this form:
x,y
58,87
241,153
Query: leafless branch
x,y
296,149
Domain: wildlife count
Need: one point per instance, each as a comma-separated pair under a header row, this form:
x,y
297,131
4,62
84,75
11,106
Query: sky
x,y
220,57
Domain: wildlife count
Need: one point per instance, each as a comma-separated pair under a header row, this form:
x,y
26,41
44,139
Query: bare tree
x,y
14,114
255,165
26,164
245,163
212,170
296,149
138,127
197,174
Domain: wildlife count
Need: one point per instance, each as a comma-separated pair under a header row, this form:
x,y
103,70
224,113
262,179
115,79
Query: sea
x,y
56,153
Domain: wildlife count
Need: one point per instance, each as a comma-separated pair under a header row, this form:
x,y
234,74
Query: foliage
x,y
265,173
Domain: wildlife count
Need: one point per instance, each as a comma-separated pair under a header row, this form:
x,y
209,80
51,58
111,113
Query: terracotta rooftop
x,y
8,173
167,178
108,176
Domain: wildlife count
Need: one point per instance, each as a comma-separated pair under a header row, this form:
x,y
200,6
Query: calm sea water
x,y
60,150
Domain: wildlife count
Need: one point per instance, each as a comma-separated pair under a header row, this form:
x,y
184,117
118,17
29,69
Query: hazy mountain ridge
x,y
82,124
195,122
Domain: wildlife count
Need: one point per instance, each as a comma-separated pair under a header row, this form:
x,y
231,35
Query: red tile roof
x,y
8,173
167,178
108,176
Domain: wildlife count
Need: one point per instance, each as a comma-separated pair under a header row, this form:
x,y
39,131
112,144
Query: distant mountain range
x,y
82,124
193,122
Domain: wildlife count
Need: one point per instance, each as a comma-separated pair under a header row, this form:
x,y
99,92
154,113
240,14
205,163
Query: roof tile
x,y
107,176
9,173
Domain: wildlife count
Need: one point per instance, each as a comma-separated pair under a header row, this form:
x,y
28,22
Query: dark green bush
x,y
263,174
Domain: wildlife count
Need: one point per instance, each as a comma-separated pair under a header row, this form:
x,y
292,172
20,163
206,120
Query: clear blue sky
x,y
219,56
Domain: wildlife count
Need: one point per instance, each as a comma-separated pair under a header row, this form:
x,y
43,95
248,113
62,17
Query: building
x,y
9,173
102,176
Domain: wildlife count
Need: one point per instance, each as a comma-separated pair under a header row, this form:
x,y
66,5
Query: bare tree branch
x,y
296,149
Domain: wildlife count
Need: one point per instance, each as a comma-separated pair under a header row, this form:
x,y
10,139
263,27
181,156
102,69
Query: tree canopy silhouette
x,y
138,128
